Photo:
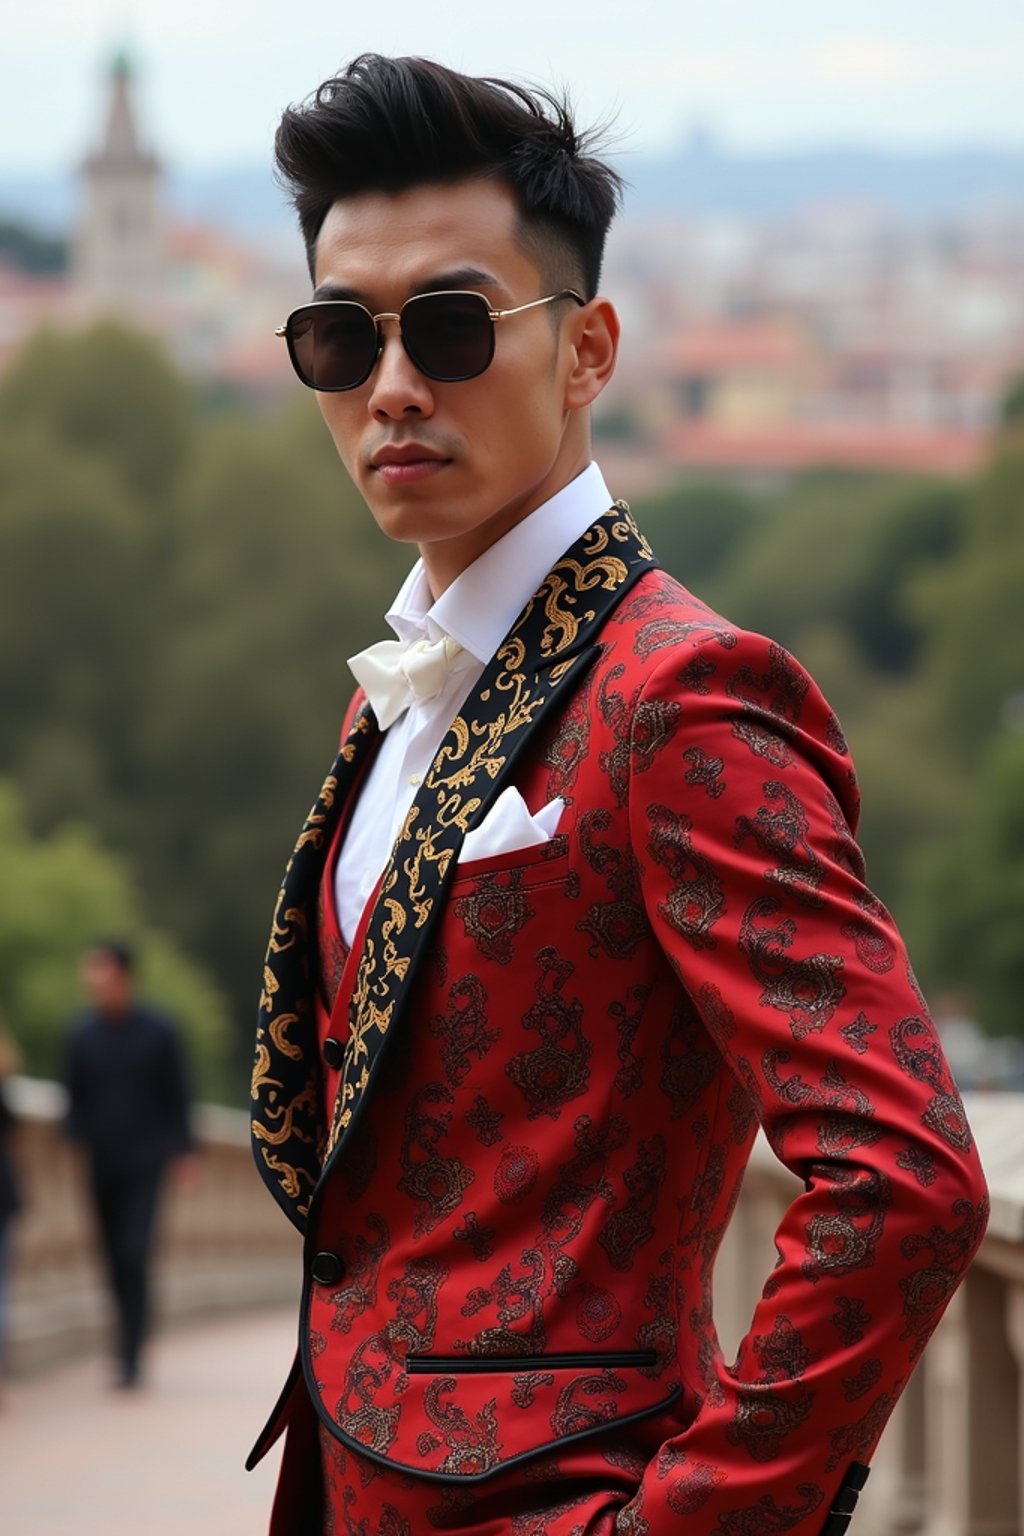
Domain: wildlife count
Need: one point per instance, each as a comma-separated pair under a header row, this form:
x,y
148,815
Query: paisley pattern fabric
x,y
521,1204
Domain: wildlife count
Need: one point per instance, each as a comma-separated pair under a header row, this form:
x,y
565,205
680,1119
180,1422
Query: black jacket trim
x,y
845,1501
458,1478
277,1421
461,1365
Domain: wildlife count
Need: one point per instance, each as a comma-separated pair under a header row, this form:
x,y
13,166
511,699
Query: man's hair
x,y
384,125
116,950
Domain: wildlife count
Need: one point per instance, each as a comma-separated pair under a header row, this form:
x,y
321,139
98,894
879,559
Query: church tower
x,y
119,247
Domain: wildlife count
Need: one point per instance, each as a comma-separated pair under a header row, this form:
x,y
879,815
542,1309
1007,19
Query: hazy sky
x,y
214,74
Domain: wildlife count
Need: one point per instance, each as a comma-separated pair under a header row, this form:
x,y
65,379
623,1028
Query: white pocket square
x,y
509,826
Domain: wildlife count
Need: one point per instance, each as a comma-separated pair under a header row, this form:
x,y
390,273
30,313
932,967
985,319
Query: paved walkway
x,y
79,1459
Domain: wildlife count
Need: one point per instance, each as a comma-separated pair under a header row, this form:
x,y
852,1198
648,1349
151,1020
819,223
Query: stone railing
x,y
224,1245
949,1463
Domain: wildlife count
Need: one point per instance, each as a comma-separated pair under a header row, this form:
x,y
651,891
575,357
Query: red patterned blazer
x,y
513,1122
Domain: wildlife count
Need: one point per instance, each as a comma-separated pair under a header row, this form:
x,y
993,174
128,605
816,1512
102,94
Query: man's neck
x,y
445,560
116,1013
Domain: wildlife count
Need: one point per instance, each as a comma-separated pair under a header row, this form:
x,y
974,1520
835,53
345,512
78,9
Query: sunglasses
x,y
449,337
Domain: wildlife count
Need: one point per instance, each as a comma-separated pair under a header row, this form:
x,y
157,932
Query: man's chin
x,y
406,524
415,515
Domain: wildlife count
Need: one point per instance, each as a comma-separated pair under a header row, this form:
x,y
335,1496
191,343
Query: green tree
x,y
973,613
106,393
971,895
58,894
78,629
923,529
800,563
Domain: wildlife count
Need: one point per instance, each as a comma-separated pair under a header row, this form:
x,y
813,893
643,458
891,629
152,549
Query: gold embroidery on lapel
x,y
287,1123
513,690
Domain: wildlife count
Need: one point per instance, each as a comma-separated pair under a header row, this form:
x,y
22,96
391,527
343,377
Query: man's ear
x,y
594,335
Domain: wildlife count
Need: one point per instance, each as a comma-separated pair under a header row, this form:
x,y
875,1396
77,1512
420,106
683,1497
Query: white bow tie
x,y
394,673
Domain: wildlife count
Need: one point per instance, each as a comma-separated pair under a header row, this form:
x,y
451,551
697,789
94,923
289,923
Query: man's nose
x,y
396,385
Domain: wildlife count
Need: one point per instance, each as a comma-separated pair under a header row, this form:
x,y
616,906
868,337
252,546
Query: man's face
x,y
494,447
105,982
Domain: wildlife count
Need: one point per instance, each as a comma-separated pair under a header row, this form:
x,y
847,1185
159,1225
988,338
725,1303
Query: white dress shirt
x,y
477,610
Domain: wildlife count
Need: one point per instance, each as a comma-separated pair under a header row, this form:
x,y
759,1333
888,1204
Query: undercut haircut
x,y
385,125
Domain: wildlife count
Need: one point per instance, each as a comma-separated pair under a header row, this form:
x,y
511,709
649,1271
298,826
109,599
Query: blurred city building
x,y
119,256
212,297
836,336
818,331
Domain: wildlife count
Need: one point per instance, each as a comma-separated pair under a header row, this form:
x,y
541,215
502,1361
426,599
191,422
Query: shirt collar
x,y
482,604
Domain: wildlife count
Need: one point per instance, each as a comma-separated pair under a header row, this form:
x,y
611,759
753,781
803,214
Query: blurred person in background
x,y
128,1111
10,1197
578,906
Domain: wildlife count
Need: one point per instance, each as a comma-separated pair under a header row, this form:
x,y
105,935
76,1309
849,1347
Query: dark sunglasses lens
x,y
448,336
333,346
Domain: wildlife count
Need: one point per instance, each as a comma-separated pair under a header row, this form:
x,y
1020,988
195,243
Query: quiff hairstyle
x,y
384,125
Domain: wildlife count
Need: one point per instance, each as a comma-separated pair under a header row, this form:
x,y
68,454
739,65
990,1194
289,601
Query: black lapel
x,y
543,657
286,1118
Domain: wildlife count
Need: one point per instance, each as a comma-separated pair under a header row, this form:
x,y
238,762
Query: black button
x,y
334,1052
326,1268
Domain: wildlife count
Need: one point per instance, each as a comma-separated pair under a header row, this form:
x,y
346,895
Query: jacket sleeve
x,y
743,818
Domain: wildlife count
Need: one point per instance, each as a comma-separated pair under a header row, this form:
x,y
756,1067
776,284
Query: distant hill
x,y
701,178
706,179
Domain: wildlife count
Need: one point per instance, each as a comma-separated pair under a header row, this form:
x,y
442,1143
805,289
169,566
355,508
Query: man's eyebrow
x,y
437,282
335,291
459,277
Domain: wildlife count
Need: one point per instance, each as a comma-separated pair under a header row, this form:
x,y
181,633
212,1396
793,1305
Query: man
x,y
128,1111
577,906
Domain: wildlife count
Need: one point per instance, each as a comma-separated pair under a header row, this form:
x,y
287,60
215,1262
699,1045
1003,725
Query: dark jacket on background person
x,y
127,1088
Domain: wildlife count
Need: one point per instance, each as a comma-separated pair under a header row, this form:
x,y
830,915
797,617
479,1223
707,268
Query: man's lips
x,y
407,464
